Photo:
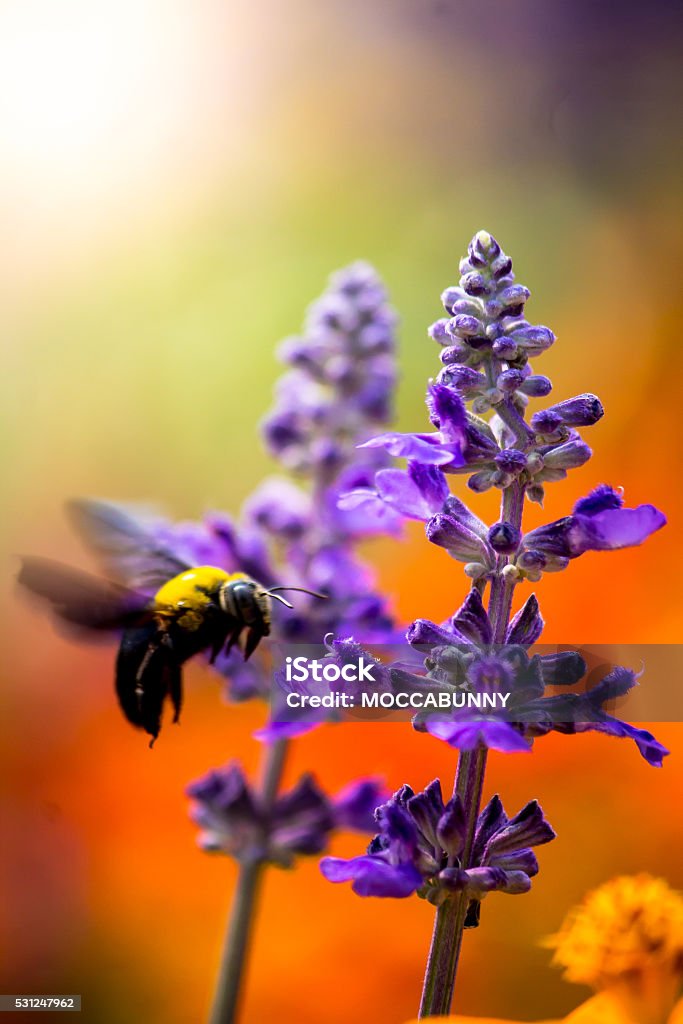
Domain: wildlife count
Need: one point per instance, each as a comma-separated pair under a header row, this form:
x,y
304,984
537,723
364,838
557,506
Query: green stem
x,y
231,973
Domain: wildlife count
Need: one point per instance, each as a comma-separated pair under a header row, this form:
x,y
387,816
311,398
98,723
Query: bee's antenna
x,y
302,590
277,597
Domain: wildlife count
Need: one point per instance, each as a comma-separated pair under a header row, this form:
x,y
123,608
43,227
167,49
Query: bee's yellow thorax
x,y
190,592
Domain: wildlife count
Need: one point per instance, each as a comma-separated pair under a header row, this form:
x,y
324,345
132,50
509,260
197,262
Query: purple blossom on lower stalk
x,y
420,845
235,820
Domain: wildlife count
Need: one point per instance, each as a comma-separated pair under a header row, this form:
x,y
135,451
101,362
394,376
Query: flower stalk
x,y
453,854
232,973
449,924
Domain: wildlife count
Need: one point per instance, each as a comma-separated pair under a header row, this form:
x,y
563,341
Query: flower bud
x,y
469,307
581,411
546,421
533,339
534,463
510,380
513,298
480,405
551,476
458,353
510,574
501,266
531,559
511,460
462,377
567,456
536,492
437,331
462,326
474,284
505,348
536,386
482,481
460,542
475,570
483,249
450,296
504,538
566,668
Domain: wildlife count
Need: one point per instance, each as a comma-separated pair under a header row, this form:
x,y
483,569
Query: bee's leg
x,y
233,637
217,645
175,687
254,637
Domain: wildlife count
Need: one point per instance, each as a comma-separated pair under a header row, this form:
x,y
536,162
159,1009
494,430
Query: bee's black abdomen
x,y
147,672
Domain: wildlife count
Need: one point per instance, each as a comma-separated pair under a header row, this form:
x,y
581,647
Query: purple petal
x,y
423,631
365,513
600,499
459,510
490,820
447,412
372,876
650,748
616,684
472,619
418,493
355,805
425,448
624,527
488,733
527,625
460,542
527,828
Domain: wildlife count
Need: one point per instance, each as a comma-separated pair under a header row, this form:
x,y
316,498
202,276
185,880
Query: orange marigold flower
x,y
630,924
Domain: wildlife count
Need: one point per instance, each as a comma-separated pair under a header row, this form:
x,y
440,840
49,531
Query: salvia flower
x,y
463,660
598,523
336,393
235,820
486,346
421,843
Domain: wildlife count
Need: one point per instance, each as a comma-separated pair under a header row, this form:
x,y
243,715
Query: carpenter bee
x,y
193,608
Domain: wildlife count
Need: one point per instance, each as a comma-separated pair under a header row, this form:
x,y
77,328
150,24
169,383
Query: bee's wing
x,y
83,600
127,549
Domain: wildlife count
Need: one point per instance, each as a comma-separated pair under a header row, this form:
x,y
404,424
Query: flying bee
x,y
193,609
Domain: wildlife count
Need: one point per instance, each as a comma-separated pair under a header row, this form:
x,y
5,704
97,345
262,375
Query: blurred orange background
x,y
176,182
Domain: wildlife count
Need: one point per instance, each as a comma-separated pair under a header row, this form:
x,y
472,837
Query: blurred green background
x,y
177,180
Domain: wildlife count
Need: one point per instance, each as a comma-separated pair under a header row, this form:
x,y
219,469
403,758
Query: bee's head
x,y
247,601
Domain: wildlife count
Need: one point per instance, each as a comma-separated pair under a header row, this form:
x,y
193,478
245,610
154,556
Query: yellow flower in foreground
x,y
625,940
629,924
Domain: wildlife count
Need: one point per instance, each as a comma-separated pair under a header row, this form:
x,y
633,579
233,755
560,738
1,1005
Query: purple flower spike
x,y
420,843
234,820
